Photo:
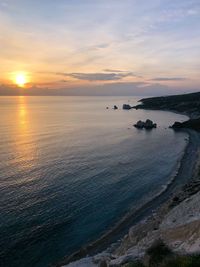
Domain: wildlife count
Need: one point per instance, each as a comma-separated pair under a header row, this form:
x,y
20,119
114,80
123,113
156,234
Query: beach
x,y
131,237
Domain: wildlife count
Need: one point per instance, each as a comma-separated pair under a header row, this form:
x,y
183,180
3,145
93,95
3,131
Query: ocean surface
x,y
70,169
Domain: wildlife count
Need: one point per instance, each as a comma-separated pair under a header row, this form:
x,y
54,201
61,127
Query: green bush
x,y
135,264
157,253
183,261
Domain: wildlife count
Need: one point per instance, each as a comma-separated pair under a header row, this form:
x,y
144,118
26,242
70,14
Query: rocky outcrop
x,y
179,229
148,124
191,124
126,106
187,104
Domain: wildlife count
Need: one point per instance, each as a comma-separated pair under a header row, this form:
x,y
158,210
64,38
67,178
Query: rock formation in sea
x,y
126,106
148,124
191,124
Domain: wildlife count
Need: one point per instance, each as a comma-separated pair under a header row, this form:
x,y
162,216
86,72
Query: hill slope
x,y
188,104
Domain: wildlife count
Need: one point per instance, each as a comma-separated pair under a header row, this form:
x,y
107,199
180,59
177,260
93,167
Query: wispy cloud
x,y
111,76
163,79
113,70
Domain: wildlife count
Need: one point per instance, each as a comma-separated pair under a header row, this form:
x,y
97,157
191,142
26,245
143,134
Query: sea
x,y
71,167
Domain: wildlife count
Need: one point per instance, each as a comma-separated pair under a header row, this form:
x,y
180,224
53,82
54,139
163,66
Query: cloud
x,y
105,89
110,70
163,79
63,81
103,45
99,76
124,71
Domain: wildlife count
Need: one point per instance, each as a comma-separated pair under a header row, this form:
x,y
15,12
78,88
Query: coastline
x,y
110,240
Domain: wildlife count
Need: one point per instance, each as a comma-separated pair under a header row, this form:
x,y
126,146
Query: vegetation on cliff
x,y
186,103
169,260
191,124
159,255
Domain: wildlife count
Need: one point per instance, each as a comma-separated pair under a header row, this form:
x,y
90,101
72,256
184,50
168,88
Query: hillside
x,y
191,124
187,103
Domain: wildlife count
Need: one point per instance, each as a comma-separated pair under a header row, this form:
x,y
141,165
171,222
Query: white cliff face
x,y
181,226
186,212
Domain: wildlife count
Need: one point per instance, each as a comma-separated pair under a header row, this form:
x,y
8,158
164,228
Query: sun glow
x,y
21,79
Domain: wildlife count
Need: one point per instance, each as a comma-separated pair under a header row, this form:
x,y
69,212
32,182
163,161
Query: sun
x,y
21,79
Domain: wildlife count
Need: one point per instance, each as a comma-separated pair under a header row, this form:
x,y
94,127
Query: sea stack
x,y
126,106
148,124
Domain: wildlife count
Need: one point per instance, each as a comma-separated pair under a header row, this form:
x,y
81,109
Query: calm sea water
x,y
70,169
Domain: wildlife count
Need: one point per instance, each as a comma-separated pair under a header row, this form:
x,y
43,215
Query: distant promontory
x,y
188,104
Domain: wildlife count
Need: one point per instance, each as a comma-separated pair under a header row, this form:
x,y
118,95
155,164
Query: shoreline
x,y
183,174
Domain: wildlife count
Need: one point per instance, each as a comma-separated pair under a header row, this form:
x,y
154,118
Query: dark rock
x,y
126,106
176,198
191,124
186,103
147,125
103,264
139,124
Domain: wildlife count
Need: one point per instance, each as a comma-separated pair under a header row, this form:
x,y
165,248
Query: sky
x,y
100,47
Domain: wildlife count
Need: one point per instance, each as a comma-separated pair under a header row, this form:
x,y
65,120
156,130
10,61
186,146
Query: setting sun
x,y
21,79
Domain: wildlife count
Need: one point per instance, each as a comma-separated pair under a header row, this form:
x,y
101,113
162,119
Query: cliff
x,y
190,124
187,103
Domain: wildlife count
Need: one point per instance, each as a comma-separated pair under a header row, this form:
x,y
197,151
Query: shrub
x,y
183,261
157,253
135,264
